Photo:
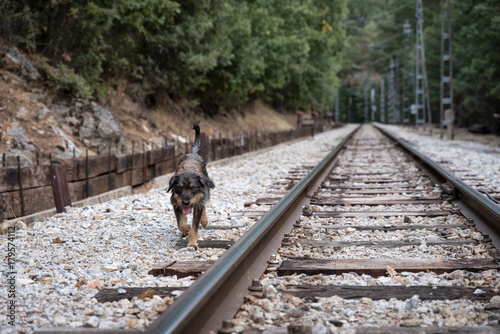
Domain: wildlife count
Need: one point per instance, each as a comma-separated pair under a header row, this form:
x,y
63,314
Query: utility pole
x,y
419,68
405,74
372,104
382,101
397,111
447,116
391,110
366,104
337,109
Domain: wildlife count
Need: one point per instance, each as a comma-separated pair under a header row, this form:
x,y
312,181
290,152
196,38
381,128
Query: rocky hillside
x,y
35,118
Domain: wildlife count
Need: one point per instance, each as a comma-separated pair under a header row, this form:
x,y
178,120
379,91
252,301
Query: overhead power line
x,y
377,17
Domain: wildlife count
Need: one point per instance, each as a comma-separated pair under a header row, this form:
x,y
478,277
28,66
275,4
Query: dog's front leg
x,y
193,232
181,221
204,219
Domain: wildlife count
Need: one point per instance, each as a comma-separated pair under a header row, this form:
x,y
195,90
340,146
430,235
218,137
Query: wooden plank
x,y
336,214
383,243
159,268
116,294
390,187
250,214
97,185
156,156
225,227
378,267
33,177
374,180
123,162
123,178
392,228
35,200
206,243
98,165
181,268
374,201
424,292
60,187
389,330
77,330
368,191
264,201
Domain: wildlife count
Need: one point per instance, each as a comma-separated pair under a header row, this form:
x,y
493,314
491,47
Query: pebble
x,y
114,244
412,312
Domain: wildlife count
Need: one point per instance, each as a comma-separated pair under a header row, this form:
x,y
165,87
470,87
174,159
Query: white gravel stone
x,y
114,244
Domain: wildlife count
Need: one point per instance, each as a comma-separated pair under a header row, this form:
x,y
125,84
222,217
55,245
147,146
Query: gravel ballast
x,y
64,261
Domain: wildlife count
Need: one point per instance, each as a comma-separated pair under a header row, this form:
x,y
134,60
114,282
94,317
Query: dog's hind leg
x,y
193,232
204,219
181,222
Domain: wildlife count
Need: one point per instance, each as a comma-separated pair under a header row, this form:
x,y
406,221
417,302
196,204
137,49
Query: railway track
x,y
375,238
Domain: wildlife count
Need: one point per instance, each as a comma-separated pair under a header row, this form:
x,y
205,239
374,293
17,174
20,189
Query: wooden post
x,y
60,187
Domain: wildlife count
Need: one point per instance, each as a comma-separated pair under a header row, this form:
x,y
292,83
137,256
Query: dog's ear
x,y
206,182
173,181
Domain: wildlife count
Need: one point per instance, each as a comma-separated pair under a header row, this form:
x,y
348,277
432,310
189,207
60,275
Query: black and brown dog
x,y
190,187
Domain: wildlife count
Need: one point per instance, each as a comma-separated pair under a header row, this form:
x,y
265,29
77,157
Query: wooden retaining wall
x,y
27,190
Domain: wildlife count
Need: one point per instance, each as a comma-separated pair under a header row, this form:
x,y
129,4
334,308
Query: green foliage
x,y
374,35
65,79
214,53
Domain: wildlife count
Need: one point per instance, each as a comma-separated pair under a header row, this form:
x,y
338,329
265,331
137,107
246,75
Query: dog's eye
x,y
178,190
196,189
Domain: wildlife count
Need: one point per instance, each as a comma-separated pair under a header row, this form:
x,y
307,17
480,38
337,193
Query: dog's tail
x,y
196,145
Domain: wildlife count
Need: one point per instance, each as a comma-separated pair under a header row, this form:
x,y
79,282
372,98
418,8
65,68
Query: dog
x,y
190,188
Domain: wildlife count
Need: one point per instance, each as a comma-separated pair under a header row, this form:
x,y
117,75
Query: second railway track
x,y
370,242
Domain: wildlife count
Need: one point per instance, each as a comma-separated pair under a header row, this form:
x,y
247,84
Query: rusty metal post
x,y
19,179
109,166
86,172
174,164
60,187
161,158
144,164
132,164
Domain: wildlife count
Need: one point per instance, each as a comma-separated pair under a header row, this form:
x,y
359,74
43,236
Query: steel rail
x,y
484,212
217,294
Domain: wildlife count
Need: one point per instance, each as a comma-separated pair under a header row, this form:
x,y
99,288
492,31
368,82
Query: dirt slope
x,y
23,101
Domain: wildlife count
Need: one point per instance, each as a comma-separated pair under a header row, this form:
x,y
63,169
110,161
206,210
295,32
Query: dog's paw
x,y
183,235
194,245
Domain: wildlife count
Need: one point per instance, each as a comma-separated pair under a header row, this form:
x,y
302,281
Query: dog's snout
x,y
185,201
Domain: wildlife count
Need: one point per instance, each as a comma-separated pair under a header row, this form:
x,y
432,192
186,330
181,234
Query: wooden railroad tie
x,y
337,214
383,243
378,267
180,268
206,243
116,294
330,200
424,292
387,228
